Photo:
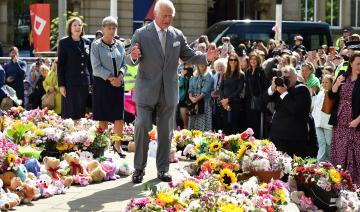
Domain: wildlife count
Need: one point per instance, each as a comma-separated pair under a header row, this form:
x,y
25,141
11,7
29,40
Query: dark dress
x,y
231,89
74,72
345,146
256,85
108,101
17,71
36,95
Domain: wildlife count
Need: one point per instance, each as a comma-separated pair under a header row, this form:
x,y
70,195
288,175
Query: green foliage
x,y
54,28
17,134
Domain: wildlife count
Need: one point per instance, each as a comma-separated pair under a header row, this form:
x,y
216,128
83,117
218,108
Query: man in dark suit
x,y
156,48
289,130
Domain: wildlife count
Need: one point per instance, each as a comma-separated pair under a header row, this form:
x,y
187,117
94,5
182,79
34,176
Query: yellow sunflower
x,y
227,177
229,207
165,197
214,147
196,133
191,184
39,132
241,152
11,158
335,176
202,159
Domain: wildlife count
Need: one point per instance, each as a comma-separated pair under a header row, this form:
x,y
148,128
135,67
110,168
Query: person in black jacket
x,y
230,91
256,87
289,130
74,70
2,82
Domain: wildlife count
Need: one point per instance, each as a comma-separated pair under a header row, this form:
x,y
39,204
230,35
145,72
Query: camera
x,y
280,80
189,72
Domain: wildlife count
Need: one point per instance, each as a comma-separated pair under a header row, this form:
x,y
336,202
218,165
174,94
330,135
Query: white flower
x,y
186,194
267,202
193,206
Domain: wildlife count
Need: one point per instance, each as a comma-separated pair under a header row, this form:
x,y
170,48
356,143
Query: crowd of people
x,y
282,91
305,100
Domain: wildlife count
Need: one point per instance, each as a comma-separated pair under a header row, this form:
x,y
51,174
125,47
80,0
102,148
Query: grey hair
x,y
166,3
221,61
289,69
109,21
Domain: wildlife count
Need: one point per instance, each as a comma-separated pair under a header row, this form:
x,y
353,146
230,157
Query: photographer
x,y
184,77
289,130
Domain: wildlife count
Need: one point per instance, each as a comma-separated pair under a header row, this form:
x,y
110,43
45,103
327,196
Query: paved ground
x,y
105,196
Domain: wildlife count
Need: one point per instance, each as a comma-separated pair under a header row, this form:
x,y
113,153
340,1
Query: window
x,y
355,16
333,16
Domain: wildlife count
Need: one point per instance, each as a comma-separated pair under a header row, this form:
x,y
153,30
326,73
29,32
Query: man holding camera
x,y
289,130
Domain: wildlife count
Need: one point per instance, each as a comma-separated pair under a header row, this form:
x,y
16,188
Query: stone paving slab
x,y
107,196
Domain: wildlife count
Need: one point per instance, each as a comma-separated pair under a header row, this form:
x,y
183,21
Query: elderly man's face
x,y
164,17
291,76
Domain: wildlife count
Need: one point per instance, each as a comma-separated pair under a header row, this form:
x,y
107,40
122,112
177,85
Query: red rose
x,y
244,135
100,130
299,169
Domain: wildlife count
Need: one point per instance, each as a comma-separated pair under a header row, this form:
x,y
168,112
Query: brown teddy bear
x,y
52,166
96,172
6,178
73,159
25,191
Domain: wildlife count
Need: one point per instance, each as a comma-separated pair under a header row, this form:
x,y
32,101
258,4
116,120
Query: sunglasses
x,y
233,60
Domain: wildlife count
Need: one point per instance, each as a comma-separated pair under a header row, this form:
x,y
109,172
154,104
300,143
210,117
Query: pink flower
x,y
249,131
252,139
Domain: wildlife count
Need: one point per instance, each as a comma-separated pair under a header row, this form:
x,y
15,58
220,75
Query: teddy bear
x,y
95,171
52,166
21,172
73,159
59,187
86,157
33,166
6,178
26,192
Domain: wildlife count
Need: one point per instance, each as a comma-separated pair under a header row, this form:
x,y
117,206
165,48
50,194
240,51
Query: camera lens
x,y
279,81
278,74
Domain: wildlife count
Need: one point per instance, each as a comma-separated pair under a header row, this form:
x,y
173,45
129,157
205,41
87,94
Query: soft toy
x,y
26,192
86,157
125,168
52,166
21,172
73,159
8,200
6,178
110,168
33,166
59,187
96,172
44,183
172,156
81,180
4,203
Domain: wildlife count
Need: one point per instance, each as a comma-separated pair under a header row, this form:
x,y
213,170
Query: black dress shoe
x,y
138,175
122,155
164,176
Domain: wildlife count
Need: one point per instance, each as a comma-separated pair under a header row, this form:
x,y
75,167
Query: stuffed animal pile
x,y
33,180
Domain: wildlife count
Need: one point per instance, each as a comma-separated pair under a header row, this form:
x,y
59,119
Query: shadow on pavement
x,y
96,201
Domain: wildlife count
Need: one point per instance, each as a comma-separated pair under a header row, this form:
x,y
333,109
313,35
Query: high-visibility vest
x,y
341,68
130,77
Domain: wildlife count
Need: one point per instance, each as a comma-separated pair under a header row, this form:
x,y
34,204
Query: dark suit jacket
x,y
355,103
74,67
291,117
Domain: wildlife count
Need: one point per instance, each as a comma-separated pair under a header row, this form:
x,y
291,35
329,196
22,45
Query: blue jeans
x,y
324,141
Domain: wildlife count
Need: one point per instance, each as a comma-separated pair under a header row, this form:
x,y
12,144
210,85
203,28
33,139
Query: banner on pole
x,y
40,26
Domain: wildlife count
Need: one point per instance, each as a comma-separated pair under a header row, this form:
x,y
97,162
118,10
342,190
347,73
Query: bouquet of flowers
x,y
128,132
324,175
99,140
9,159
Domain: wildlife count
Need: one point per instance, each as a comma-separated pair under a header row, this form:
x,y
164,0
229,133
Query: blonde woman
x,y
51,86
199,94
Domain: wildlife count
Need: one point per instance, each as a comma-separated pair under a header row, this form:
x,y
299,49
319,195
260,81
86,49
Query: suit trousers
x,y
165,122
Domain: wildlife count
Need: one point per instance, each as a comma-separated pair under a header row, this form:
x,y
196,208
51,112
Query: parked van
x,y
315,34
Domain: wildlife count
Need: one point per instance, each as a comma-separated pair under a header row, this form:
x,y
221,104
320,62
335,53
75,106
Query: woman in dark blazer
x,y
231,88
74,70
256,86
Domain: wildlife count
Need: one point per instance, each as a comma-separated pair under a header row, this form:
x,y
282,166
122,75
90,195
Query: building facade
x,y
192,16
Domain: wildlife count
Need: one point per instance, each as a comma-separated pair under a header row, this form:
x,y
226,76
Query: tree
x,y
54,28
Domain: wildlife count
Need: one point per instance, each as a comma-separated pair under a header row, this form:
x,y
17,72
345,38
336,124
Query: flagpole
x,y
278,23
